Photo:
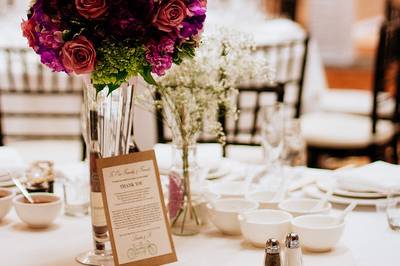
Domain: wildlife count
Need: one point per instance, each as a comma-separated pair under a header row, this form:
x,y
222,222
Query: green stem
x,y
186,177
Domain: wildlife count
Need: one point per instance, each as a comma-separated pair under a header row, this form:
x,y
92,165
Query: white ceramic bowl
x,y
202,201
264,198
318,232
228,189
259,225
38,215
224,214
303,206
6,196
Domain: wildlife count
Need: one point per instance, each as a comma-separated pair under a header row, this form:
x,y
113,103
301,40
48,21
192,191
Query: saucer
x,y
326,183
218,172
313,192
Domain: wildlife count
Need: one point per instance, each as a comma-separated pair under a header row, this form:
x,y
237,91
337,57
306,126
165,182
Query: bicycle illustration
x,y
142,249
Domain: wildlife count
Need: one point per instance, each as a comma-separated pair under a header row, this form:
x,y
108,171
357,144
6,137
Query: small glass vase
x,y
107,129
183,206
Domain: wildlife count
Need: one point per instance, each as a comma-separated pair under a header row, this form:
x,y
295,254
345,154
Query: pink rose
x,y
203,3
78,56
91,9
28,31
170,15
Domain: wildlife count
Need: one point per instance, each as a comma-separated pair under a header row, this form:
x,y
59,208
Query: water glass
x,y
393,212
294,146
272,129
76,197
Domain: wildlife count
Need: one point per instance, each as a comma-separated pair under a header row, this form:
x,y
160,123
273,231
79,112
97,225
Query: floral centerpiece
x,y
110,43
114,40
192,96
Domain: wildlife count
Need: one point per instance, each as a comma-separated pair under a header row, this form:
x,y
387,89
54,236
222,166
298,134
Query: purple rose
x,y
91,9
170,15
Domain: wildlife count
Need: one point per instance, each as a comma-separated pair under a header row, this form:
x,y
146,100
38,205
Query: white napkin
x,y
208,155
377,177
11,162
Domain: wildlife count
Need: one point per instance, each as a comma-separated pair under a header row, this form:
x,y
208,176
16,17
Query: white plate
x,y
219,172
326,183
228,189
313,192
4,178
8,183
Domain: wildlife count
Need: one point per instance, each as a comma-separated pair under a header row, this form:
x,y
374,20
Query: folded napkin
x,y
11,162
375,177
208,155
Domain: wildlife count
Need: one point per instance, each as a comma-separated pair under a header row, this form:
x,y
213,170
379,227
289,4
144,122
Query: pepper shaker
x,y
273,253
293,255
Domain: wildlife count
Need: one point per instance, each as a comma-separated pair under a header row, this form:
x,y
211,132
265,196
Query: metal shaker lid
x,y
292,240
272,246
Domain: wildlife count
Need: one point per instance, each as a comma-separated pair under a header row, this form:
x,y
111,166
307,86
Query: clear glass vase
x,y
183,204
107,129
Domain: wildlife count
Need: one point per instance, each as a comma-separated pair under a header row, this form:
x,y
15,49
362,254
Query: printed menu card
x,y
135,210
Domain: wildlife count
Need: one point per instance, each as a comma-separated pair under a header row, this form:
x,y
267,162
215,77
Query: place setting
x,y
365,185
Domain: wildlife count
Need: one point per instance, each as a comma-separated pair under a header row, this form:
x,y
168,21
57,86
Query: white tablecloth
x,y
367,241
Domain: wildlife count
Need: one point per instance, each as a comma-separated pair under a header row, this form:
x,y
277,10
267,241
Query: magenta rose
x,y
170,15
78,56
91,9
28,30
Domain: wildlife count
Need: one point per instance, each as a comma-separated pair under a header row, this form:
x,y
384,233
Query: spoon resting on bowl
x,y
346,211
23,190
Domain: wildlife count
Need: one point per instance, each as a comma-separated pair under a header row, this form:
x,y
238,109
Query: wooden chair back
x,y
289,60
36,103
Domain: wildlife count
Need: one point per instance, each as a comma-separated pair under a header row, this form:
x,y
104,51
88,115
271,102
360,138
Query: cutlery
x,y
302,183
324,199
23,190
346,211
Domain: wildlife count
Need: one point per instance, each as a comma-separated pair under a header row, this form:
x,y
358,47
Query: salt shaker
x,y
293,255
273,253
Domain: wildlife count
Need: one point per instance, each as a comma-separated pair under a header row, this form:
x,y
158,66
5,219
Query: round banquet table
x,y
367,241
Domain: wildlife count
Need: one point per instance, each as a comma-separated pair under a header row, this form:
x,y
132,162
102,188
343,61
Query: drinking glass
x,y
272,129
294,146
393,212
76,196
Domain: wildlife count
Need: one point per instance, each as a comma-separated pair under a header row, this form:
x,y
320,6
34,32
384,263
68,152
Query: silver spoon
x,y
346,211
23,190
324,200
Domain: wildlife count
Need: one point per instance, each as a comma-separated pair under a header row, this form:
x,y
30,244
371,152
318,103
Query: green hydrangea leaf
x,y
99,87
112,87
147,76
